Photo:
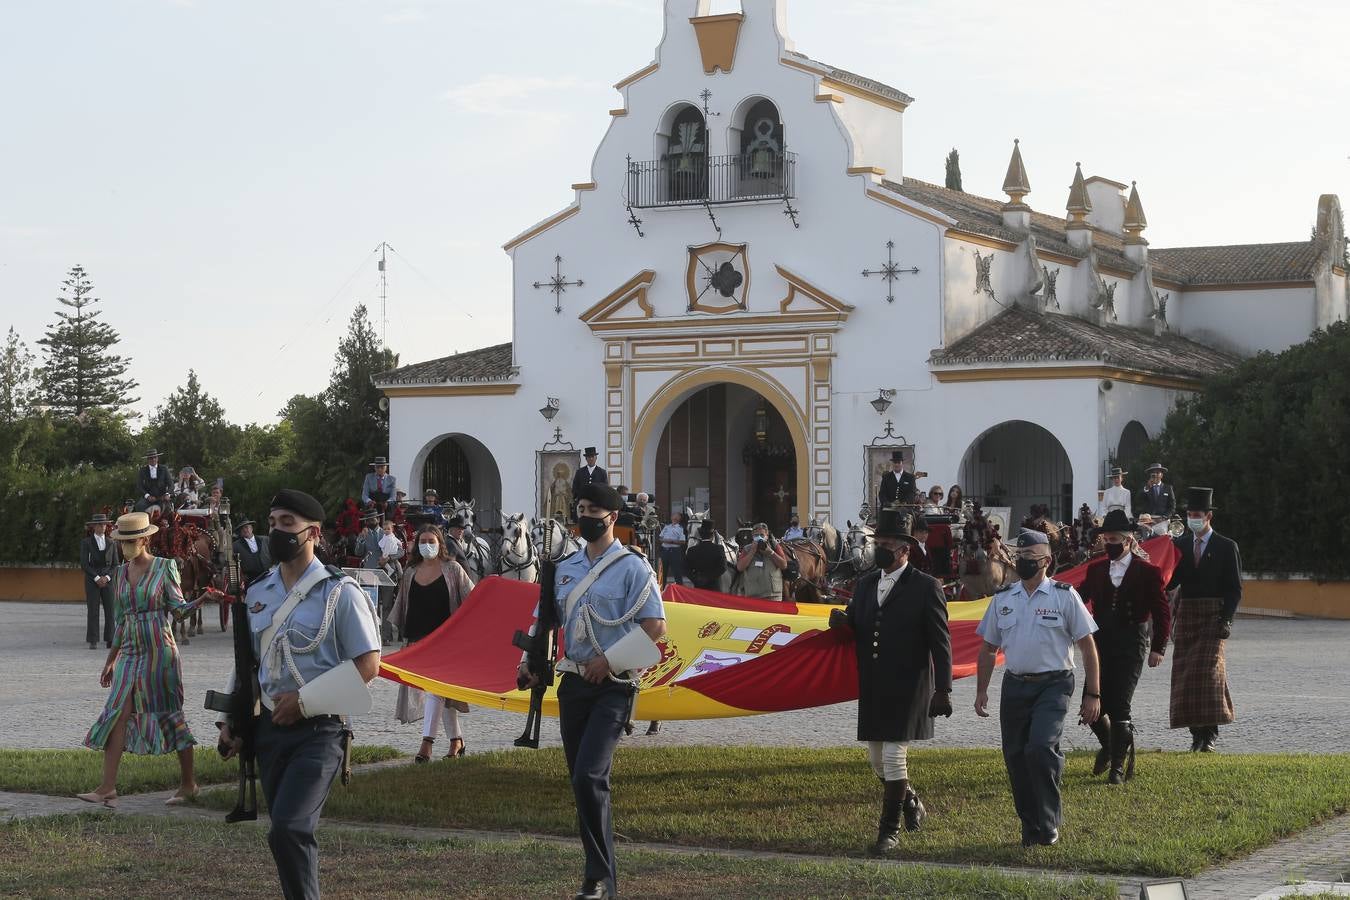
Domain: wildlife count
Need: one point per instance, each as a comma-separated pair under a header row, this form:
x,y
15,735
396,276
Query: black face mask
x,y
1027,568
283,545
884,556
1115,551
591,528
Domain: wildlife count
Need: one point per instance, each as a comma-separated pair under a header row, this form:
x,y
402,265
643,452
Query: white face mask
x,y
1196,523
428,550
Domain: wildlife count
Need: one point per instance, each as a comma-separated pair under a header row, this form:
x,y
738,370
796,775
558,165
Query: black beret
x,y
300,503
602,495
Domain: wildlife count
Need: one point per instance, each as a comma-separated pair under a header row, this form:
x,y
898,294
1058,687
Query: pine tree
x,y
17,383
954,170
79,372
190,428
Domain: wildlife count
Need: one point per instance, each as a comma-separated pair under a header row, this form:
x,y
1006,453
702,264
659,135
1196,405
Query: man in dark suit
x,y
1209,578
152,482
898,620
98,558
706,561
587,474
897,485
1157,498
254,558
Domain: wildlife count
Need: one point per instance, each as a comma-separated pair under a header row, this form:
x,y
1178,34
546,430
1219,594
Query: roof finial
x,y
1135,221
1016,184
1079,204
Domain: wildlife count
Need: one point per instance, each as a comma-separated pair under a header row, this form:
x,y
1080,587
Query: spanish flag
x,y
722,656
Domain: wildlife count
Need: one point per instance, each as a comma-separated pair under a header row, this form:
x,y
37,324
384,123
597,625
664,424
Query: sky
x,y
224,169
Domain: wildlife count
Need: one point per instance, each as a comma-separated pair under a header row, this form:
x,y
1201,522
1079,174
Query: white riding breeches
x,y
889,759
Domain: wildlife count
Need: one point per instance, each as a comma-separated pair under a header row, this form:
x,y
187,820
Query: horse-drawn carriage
x,y
199,540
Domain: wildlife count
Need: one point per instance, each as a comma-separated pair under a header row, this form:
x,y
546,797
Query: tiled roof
x,y
853,78
485,364
1293,261
1018,335
1230,264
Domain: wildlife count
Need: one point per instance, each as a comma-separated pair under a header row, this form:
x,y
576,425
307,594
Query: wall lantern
x,y
550,409
883,401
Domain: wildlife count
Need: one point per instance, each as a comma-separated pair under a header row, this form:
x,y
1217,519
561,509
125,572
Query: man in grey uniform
x,y
610,608
316,646
1036,622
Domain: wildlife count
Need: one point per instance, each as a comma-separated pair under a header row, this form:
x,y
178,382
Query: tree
x,y
954,170
1271,437
16,379
79,372
190,428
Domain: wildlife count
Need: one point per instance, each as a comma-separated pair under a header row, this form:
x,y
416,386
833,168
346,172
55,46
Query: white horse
x,y
550,534
516,558
861,547
476,551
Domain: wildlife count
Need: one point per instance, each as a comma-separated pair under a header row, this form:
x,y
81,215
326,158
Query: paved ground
x,y
1287,682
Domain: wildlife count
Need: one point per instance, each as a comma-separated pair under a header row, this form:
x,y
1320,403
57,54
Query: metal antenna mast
x,y
384,296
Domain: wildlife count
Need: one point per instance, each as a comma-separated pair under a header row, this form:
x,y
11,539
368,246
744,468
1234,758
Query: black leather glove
x,y
1225,628
940,705
838,618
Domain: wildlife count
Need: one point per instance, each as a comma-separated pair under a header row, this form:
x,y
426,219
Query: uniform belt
x,y
567,666
1039,676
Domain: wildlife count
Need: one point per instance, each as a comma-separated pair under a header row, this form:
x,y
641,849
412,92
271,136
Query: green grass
x,y
1182,814
125,856
66,772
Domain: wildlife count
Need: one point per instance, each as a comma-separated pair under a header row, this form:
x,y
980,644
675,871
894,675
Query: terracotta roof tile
x,y
1237,263
1018,335
484,364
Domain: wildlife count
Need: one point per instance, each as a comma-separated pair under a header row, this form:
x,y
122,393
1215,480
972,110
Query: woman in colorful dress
x,y
429,592
144,712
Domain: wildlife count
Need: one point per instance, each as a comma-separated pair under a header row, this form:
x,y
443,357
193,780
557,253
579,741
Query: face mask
x,y
1196,524
428,550
131,550
884,556
1115,551
591,528
283,545
1027,568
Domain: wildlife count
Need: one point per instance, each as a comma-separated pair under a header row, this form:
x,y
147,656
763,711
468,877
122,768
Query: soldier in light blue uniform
x,y
595,702
1035,622
327,647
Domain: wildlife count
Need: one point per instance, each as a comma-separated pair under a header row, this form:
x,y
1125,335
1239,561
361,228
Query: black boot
x,y
913,810
1208,735
1102,729
1196,738
888,828
1122,748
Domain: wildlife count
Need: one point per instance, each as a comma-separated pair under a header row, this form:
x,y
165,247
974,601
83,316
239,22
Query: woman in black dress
x,y
429,593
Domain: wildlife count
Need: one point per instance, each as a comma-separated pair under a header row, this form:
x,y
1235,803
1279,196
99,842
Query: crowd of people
x,y
316,642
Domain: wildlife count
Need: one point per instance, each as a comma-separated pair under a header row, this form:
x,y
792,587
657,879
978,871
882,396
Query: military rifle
x,y
242,708
541,647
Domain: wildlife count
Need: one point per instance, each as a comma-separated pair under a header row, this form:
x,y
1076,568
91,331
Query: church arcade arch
x,y
1017,464
459,466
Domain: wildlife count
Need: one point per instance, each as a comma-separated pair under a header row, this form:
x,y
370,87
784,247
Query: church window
x,y
686,156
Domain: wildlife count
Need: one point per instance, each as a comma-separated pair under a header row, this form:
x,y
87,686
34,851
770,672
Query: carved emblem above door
x,y
718,278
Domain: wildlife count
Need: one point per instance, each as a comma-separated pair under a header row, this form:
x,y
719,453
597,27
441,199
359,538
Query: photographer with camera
x,y
760,566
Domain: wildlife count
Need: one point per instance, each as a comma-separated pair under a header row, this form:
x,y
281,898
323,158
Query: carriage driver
x,y
316,647
612,614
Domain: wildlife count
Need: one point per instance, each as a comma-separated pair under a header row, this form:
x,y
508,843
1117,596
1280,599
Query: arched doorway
x,y
1133,437
726,449
729,436
1018,464
460,466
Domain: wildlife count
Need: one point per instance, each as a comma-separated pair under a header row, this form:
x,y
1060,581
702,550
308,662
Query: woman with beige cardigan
x,y
429,593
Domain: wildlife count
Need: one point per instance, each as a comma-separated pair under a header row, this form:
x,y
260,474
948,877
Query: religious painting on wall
x,y
555,471
877,459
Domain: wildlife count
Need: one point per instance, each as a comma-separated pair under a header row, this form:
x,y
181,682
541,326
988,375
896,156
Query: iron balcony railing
x,y
692,178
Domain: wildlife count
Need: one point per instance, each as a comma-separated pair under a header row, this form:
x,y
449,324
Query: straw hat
x,y
132,526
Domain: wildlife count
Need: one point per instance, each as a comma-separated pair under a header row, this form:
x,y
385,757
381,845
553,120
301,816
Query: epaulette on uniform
x,y
1059,585
334,571
1006,587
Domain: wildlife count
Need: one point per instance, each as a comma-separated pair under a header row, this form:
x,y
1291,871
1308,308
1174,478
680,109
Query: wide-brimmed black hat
x,y
247,521
379,461
99,519
455,522
1116,520
1200,499
152,452
589,451
897,456
1156,467
892,523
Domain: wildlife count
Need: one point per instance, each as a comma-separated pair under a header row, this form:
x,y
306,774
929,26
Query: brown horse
x,y
812,566
192,549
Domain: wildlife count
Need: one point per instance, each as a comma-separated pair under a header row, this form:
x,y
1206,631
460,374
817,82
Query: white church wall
x,y
877,134
1125,402
1245,321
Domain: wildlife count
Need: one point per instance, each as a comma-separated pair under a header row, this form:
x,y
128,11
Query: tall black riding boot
x,y
1102,729
888,828
1122,748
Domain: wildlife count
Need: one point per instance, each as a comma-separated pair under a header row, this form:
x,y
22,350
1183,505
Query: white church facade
x,y
748,275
